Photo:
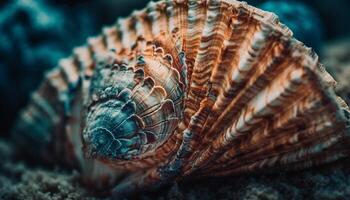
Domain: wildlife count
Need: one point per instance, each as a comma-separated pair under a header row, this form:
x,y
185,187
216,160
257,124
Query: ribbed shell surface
x,y
189,88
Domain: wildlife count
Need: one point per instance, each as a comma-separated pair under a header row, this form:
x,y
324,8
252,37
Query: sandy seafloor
x,y
19,180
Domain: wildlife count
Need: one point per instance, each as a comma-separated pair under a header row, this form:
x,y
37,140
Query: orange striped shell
x,y
188,88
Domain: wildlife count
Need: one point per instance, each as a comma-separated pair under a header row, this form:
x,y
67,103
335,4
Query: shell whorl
x,y
193,87
132,110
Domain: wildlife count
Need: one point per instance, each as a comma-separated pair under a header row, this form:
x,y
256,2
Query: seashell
x,y
187,88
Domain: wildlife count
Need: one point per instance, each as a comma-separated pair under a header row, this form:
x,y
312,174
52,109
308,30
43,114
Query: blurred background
x,y
34,34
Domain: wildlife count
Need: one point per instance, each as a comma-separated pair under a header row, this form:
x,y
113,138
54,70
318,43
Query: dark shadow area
x,y
36,34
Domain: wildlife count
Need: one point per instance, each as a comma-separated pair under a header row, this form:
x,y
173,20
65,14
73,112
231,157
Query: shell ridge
x,y
188,88
285,139
248,118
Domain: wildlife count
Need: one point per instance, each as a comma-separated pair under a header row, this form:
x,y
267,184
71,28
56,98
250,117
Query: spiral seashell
x,y
187,88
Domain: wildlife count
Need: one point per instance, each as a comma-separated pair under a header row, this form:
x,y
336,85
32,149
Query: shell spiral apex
x,y
187,88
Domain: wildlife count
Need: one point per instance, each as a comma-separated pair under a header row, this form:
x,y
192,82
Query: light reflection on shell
x,y
188,88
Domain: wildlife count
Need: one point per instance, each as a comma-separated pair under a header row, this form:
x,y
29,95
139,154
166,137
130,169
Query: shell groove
x,y
188,88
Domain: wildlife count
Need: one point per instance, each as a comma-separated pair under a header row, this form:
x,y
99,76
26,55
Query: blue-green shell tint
x,y
114,130
131,110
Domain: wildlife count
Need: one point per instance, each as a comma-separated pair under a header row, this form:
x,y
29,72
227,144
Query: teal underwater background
x,y
34,34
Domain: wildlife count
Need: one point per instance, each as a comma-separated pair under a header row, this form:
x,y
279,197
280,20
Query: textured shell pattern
x,y
188,88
